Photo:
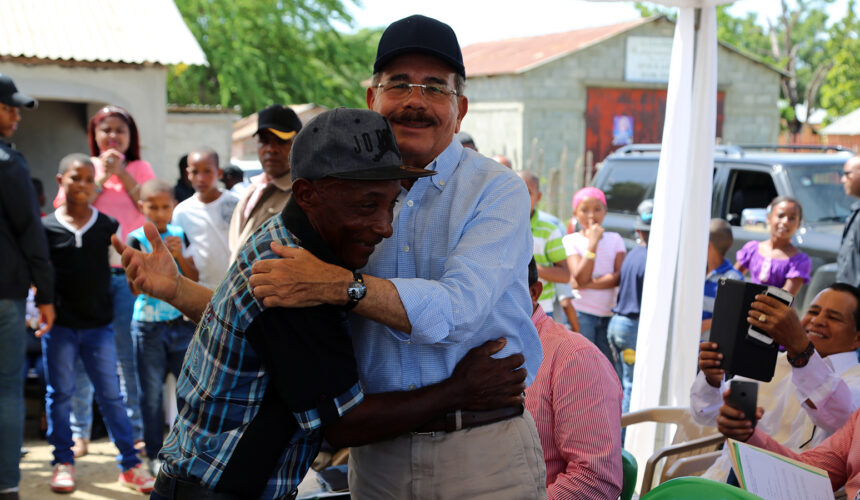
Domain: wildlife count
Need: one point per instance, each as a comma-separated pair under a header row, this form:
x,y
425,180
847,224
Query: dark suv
x,y
746,179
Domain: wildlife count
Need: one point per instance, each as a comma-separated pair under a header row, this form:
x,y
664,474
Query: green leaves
x,y
840,93
273,51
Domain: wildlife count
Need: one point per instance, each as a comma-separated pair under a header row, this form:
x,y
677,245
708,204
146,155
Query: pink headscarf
x,y
588,192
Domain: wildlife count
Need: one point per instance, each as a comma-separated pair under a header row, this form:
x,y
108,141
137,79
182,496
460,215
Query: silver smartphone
x,y
780,295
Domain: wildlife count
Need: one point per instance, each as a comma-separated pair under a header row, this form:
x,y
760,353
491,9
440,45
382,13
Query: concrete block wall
x,y
750,108
188,130
141,90
553,98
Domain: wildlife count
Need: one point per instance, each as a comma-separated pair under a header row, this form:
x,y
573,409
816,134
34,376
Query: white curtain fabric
x,y
671,311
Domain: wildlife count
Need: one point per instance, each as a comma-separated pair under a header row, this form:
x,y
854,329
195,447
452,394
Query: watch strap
x,y
801,359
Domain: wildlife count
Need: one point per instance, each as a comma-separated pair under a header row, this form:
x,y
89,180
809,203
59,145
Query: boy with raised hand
x,y
160,332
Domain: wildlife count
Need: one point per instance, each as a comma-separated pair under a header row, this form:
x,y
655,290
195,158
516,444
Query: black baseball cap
x,y
279,120
419,34
10,96
347,143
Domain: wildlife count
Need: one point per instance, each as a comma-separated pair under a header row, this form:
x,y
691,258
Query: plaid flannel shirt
x,y
222,383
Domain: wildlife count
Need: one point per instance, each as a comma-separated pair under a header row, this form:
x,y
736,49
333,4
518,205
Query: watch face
x,y
356,290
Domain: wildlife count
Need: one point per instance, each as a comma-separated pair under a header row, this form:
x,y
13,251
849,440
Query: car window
x,y
748,189
627,184
818,189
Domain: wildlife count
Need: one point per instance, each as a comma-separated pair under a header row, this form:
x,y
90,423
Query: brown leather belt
x,y
463,419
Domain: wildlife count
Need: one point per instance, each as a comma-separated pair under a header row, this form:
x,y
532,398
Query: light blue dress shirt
x,y
459,259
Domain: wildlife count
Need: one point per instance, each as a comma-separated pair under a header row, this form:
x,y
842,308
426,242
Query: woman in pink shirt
x,y
594,257
115,150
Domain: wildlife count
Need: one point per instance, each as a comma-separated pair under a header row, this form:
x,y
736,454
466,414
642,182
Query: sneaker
x,y
137,478
63,480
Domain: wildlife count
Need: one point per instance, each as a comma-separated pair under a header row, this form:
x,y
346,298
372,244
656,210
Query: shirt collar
x,y
445,163
297,222
855,205
842,361
284,182
538,317
725,266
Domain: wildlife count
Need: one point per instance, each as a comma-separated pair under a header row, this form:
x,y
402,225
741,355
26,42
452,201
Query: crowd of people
x,y
380,286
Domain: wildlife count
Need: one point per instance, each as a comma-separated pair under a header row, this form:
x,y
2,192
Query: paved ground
x,y
95,474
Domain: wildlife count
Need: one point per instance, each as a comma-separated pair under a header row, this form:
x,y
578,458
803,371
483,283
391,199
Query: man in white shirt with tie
x,y
269,192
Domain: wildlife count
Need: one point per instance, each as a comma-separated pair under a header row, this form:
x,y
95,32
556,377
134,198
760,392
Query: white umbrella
x,y
671,313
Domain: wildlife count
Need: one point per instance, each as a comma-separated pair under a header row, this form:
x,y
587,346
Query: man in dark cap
x,y
268,193
25,261
260,385
452,276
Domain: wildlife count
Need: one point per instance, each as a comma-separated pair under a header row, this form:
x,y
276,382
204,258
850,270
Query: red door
x,y
615,117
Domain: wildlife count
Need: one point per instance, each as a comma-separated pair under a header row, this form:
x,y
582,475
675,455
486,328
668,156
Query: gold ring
x,y
762,318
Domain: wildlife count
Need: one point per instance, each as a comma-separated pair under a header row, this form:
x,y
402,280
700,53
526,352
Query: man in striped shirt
x,y
575,400
549,253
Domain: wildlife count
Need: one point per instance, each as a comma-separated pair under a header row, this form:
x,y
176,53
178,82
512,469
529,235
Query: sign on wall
x,y
647,58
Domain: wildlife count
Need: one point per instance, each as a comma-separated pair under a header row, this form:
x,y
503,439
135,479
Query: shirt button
x,y
409,203
441,183
406,248
411,387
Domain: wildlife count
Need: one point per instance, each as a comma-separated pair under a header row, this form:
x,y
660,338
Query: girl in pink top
x,y
594,258
115,150
776,261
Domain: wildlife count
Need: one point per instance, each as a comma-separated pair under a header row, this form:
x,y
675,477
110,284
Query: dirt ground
x,y
95,474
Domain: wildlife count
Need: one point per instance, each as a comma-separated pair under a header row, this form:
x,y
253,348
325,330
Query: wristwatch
x,y
801,359
355,291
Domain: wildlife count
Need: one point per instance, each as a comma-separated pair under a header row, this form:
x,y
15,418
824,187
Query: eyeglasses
x,y
403,90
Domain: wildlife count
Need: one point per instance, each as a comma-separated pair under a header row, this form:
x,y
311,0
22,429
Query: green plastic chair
x,y
630,469
697,488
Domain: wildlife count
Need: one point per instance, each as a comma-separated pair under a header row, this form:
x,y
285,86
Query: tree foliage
x,y
840,93
798,42
273,51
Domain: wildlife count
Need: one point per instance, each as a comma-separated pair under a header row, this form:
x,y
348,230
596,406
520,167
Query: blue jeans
x,y
82,415
13,343
161,347
82,403
594,329
95,346
622,341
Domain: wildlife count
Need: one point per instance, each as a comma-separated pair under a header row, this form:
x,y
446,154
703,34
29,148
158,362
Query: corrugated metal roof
x,y
846,125
118,31
516,55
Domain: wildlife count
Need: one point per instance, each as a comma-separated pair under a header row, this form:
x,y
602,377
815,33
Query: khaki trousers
x,y
503,460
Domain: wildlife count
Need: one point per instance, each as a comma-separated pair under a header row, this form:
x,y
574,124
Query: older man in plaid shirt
x,y
259,384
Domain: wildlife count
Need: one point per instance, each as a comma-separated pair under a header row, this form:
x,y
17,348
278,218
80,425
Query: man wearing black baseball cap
x,y
258,384
25,253
452,276
268,193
